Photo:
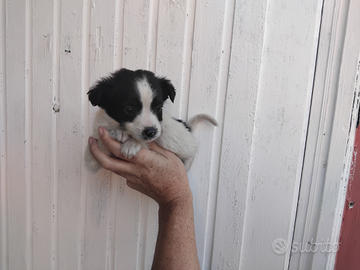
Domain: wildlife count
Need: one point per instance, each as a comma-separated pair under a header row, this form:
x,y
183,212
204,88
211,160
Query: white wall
x,y
248,63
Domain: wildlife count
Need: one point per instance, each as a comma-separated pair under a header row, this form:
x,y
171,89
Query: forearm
x,y
176,245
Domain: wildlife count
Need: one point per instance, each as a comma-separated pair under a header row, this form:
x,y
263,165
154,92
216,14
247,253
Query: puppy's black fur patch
x,y
116,94
184,123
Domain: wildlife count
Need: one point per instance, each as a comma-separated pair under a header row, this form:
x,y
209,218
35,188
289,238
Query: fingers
x,y
115,147
153,146
140,158
164,152
109,163
131,185
111,144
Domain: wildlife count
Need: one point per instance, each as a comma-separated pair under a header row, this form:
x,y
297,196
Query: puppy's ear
x,y
168,89
100,93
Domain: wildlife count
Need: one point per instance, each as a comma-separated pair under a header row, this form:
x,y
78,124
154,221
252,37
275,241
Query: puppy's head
x,y
134,99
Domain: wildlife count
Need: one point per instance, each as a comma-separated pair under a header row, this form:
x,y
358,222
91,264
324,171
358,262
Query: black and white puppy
x,y
131,105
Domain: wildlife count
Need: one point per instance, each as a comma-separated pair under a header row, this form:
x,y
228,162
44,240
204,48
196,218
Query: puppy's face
x,y
134,99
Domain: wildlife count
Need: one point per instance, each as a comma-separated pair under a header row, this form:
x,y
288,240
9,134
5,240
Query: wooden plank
x,y
67,135
84,178
174,44
42,117
210,56
136,19
15,44
4,264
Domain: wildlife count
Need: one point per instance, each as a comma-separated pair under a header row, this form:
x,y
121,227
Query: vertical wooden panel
x,y
84,178
55,136
42,115
3,148
136,17
67,137
15,80
207,90
28,146
175,31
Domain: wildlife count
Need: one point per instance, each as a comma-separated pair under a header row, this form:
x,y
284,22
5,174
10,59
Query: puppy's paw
x,y
130,148
119,135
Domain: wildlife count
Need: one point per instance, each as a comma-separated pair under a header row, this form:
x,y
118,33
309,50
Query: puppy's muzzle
x,y
149,133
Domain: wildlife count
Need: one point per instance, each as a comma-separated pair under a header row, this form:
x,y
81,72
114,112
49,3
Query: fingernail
x,y
101,131
91,140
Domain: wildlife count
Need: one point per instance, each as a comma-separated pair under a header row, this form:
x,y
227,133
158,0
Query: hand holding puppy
x,y
155,172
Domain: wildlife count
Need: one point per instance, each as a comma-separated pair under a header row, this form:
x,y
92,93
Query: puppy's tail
x,y
200,118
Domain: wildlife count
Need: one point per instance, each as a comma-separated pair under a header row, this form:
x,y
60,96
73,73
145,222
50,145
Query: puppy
x,y
131,105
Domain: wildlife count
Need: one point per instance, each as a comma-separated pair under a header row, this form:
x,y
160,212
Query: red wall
x,y
348,255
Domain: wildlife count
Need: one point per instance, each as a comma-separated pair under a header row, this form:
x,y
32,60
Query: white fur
x,y
176,138
146,118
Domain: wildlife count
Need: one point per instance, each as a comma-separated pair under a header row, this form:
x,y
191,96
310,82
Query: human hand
x,y
155,172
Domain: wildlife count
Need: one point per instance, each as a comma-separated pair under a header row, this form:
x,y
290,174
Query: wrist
x,y
183,201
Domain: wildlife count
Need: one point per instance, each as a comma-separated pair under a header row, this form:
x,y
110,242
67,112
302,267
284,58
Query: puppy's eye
x,y
159,108
129,110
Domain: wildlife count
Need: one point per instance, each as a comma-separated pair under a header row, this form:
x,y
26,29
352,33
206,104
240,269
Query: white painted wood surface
x,y
250,64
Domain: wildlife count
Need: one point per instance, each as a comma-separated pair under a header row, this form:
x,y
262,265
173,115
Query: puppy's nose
x,y
149,132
